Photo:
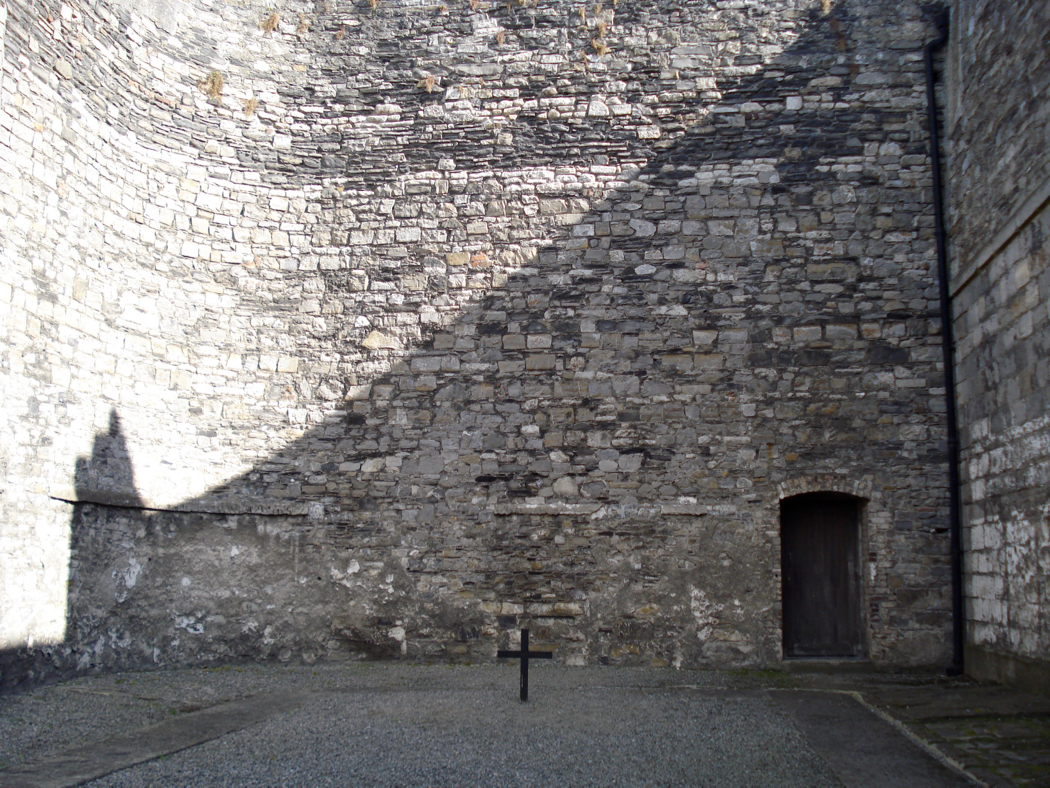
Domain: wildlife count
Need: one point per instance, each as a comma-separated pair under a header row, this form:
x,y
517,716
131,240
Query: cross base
x,y
524,655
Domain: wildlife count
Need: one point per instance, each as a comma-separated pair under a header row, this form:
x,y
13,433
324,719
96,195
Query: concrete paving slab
x,y
863,750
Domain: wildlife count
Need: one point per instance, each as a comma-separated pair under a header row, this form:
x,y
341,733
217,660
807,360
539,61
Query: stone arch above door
x,y
859,488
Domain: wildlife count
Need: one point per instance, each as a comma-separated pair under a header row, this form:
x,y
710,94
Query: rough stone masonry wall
x,y
119,278
439,319
999,122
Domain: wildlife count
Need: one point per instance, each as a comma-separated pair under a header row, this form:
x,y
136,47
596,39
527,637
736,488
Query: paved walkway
x,y
399,724
999,735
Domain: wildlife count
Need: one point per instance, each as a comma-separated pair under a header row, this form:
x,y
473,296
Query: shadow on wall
x,y
104,482
107,477
594,447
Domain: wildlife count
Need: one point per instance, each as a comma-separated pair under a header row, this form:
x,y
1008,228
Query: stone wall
x,y
110,305
999,176
388,329
997,116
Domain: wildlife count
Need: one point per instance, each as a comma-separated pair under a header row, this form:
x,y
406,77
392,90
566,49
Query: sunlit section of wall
x,y
34,571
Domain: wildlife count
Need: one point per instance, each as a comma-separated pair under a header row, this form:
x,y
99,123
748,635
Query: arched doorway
x,y
820,560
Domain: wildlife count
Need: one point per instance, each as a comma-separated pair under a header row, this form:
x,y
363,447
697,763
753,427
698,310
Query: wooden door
x,y
819,547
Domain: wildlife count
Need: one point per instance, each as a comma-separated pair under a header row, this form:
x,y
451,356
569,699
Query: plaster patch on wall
x,y
344,578
190,624
128,576
705,613
1020,544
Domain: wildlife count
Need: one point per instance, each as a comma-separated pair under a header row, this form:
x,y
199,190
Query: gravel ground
x,y
434,725
603,738
482,736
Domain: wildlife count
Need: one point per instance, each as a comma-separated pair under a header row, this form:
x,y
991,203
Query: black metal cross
x,y
524,655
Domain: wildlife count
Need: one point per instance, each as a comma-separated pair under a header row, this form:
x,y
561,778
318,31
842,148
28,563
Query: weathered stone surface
x,y
446,333
998,121
996,117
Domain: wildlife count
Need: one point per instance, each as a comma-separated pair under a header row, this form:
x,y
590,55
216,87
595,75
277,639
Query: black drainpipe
x,y
948,342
